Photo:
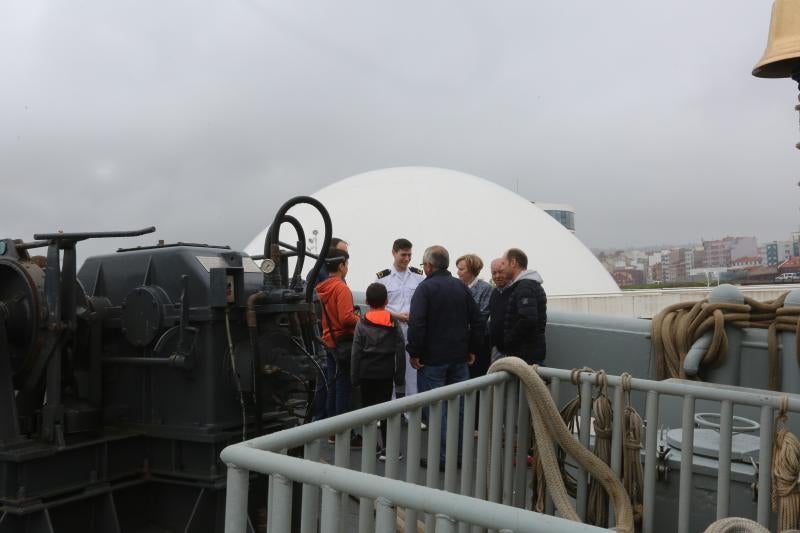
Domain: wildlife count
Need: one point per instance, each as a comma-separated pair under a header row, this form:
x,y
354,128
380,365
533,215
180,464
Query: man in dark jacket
x,y
498,301
444,330
526,311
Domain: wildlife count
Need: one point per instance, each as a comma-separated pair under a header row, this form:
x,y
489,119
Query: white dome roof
x,y
463,213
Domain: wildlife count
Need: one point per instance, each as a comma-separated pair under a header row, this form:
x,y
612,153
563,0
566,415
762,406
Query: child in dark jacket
x,y
378,356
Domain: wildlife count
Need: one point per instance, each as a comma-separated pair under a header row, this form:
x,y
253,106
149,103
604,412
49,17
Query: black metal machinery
x,y
121,383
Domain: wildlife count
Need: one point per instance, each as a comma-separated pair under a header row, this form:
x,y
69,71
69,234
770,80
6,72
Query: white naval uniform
x,y
400,287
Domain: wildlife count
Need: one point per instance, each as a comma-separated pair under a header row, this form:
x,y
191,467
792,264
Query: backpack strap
x,y
327,319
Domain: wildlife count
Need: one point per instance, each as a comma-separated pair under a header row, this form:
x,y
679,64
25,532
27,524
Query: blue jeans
x,y
339,389
433,376
321,395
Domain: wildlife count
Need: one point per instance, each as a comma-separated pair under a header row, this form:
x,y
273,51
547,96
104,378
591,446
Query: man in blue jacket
x,y
444,330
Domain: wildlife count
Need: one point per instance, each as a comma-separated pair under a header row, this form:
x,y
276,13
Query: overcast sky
x,y
201,118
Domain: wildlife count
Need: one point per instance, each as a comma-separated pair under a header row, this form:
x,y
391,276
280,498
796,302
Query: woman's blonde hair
x,y
473,262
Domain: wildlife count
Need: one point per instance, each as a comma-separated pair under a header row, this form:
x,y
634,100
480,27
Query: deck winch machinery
x,y
121,382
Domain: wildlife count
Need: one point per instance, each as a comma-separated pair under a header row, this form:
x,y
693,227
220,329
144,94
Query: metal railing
x,y
488,489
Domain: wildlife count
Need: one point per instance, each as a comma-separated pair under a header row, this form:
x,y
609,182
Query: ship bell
x,y
781,59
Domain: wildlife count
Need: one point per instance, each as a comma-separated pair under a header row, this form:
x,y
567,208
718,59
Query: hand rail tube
x,y
337,424
462,508
264,454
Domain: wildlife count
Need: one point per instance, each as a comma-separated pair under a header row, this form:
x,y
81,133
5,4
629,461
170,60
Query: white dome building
x,y
463,213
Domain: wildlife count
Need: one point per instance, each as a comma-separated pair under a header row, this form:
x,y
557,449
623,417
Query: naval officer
x,y
401,281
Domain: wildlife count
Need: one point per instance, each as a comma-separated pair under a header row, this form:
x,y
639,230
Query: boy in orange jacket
x,y
378,357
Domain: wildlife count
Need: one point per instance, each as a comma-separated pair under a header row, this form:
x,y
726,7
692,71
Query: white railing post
x,y
236,499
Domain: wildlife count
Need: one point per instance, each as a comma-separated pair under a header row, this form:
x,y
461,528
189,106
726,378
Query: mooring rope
x,y
676,328
603,416
549,428
570,414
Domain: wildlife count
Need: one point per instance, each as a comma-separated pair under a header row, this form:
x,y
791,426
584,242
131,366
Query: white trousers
x,y
411,372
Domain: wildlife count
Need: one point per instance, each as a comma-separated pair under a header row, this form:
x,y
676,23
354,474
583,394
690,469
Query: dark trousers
x,y
479,368
482,360
320,398
375,391
339,390
434,376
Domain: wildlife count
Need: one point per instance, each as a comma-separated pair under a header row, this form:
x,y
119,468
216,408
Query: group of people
x,y
424,328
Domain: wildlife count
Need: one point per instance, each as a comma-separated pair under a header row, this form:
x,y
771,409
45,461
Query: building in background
x,y
720,253
790,265
742,247
745,263
735,259
628,276
717,254
776,252
676,264
564,213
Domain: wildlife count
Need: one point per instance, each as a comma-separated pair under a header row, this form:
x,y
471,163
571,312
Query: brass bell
x,y
781,59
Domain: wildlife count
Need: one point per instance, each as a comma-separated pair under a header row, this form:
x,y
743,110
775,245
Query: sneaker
x,y
423,426
382,456
332,439
355,441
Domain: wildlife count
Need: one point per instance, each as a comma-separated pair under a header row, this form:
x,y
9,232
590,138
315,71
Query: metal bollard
x,y
730,372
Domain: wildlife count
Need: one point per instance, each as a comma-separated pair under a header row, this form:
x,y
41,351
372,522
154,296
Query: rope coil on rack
x,y
676,328
785,472
549,428
632,471
603,420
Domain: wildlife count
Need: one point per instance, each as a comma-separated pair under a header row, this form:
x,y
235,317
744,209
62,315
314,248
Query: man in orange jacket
x,y
338,324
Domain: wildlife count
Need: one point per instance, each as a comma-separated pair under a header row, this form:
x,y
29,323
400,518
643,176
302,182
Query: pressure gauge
x,y
267,266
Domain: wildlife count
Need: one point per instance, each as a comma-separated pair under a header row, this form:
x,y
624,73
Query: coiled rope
x,y
736,525
548,428
785,472
603,416
603,420
632,471
676,328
